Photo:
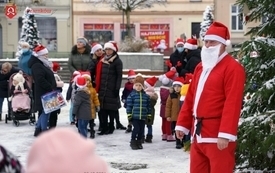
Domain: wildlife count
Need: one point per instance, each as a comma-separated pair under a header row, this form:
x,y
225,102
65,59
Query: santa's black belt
x,y
199,122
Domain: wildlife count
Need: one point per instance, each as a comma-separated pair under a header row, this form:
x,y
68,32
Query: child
x,y
138,111
20,94
70,95
95,106
82,106
173,107
150,90
128,88
166,80
59,84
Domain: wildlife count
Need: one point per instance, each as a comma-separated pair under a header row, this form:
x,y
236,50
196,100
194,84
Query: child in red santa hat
x,y
166,80
59,85
173,106
128,88
149,88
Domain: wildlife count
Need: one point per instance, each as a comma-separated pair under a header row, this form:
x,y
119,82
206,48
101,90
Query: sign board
x,y
157,39
45,11
10,11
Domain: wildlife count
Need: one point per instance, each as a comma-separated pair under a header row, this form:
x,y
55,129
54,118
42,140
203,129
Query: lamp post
x,y
123,27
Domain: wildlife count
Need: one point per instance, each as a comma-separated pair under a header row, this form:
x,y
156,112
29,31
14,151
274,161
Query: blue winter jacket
x,y
138,105
23,62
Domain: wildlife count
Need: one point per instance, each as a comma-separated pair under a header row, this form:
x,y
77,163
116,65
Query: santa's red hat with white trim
x,y
179,41
191,44
81,82
167,77
41,50
178,81
111,45
131,74
151,82
218,32
95,47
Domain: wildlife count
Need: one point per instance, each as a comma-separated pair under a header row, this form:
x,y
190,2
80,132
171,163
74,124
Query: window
x,y
236,22
195,28
99,33
47,31
195,0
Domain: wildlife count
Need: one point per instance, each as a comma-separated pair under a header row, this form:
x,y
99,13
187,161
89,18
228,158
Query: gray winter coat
x,y
82,105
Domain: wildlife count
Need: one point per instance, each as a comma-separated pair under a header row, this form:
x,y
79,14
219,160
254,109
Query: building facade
x,y
227,12
162,24
53,23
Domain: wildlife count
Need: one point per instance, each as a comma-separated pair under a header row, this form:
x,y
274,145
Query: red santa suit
x,y
211,110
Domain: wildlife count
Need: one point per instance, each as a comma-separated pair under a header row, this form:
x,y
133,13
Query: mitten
x,y
149,118
116,93
129,116
97,108
179,64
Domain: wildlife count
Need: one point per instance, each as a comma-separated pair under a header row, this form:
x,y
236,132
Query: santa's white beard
x,y
210,56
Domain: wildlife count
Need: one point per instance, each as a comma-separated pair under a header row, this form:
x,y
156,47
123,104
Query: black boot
x,y
178,144
37,131
142,139
129,129
139,144
92,134
120,127
111,128
149,138
0,117
134,145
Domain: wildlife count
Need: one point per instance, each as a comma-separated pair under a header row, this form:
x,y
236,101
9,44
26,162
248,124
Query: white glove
x,y
123,100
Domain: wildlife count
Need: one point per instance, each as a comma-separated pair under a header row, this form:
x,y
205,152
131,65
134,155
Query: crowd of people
x,y
200,95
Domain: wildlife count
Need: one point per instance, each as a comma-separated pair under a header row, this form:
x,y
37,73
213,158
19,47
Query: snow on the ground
x,y
161,156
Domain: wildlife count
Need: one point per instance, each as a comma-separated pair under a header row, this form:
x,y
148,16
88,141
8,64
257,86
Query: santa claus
x,y
212,106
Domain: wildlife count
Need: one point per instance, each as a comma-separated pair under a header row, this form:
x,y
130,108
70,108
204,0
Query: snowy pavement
x,y
158,157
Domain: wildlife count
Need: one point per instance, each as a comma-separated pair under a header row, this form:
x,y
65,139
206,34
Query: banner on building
x,y
157,39
10,11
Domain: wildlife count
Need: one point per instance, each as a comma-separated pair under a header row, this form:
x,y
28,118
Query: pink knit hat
x,y
64,150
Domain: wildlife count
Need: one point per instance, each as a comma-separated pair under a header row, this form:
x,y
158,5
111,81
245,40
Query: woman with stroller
x,y
6,71
44,82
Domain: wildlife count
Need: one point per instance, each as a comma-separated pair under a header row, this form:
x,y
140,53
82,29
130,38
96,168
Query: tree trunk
x,y
128,24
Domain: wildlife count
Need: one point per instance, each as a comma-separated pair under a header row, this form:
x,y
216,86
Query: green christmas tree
x,y
29,32
256,138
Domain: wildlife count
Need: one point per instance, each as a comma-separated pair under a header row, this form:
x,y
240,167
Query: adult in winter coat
x,y
177,58
193,56
44,82
109,73
80,56
24,58
6,71
211,109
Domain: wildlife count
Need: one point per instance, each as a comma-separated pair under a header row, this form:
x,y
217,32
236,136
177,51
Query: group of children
x,y
140,98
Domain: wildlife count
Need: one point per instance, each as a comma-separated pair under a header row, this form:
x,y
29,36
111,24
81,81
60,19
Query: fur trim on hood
x,y
87,50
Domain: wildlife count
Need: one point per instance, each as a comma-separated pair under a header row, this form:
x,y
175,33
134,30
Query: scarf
x,y
98,74
46,62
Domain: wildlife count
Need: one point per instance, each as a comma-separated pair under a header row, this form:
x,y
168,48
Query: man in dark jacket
x,y
177,58
193,56
6,71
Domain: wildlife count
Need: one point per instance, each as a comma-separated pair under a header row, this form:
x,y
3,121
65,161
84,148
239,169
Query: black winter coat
x,y
193,59
44,81
4,82
175,57
110,83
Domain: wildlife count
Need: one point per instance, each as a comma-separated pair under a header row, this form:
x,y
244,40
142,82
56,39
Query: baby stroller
x,y
20,115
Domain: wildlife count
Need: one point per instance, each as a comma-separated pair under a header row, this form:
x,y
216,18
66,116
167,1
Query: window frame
x,y
236,14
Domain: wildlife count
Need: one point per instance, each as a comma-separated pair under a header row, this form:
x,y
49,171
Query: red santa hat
x,y
111,45
95,47
56,66
191,44
179,41
40,50
218,32
151,82
178,81
56,145
81,82
167,77
131,74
